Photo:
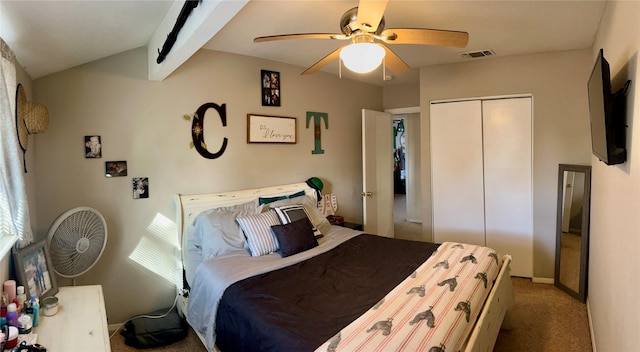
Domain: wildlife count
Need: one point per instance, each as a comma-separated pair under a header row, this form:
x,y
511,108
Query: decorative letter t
x,y
317,119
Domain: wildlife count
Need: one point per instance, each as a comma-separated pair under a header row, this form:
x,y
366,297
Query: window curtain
x,y
14,209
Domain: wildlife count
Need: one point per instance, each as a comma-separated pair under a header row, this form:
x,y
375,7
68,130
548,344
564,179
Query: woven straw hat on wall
x,y
31,118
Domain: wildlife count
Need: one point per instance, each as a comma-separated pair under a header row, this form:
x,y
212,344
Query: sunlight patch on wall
x,y
159,250
165,229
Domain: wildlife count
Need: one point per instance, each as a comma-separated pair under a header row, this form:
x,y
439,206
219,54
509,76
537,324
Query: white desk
x,y
81,322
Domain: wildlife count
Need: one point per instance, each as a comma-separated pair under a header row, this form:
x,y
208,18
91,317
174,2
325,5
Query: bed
x,y
347,291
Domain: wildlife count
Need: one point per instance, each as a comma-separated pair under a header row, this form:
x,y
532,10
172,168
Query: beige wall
x,y
561,132
414,170
614,282
401,96
141,122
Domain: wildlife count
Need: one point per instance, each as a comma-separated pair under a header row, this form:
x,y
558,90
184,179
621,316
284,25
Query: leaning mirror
x,y
572,234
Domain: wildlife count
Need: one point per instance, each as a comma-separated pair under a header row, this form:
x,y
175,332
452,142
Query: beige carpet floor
x,y
545,319
401,227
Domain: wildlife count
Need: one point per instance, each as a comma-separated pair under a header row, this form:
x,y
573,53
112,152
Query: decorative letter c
x,y
197,130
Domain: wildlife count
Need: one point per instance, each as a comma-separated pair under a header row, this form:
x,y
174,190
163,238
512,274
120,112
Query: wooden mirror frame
x,y
581,293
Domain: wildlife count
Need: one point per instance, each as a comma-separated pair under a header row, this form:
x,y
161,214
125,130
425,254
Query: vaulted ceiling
x,y
50,36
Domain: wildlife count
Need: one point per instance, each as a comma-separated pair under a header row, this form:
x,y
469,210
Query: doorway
x,y
407,210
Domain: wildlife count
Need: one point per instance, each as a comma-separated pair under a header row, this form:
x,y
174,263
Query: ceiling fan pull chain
x,y
384,68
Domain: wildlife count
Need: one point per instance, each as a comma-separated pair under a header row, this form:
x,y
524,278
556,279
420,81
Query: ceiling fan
x,y
364,27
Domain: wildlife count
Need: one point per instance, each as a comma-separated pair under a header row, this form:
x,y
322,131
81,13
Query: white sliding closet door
x,y
508,180
456,164
481,157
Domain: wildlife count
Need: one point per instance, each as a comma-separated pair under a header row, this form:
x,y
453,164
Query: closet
x,y
481,157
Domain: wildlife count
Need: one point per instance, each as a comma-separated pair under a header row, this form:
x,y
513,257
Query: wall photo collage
x,y
93,149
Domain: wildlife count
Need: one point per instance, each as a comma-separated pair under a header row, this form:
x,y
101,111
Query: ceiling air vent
x,y
478,54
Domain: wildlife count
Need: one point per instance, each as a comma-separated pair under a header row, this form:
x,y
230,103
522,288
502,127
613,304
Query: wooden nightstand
x,y
79,325
352,225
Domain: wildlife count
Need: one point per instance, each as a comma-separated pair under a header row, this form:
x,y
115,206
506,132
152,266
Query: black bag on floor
x,y
147,332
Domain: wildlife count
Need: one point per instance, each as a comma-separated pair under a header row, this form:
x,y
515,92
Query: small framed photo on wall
x,y
115,168
270,88
92,147
140,187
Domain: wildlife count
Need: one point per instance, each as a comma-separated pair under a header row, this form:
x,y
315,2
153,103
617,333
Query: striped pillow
x,y
257,229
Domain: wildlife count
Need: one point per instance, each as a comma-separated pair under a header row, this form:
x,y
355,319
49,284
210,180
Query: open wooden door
x,y
377,172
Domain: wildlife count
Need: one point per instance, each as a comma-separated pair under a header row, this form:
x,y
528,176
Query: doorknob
x,y
366,194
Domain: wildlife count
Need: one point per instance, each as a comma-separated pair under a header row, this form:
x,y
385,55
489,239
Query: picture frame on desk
x,y
34,270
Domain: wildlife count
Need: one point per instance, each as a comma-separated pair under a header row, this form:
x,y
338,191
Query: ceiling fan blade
x,y
425,36
394,62
325,60
300,36
370,13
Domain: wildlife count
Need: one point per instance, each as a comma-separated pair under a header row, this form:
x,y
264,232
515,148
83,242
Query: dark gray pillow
x,y
294,237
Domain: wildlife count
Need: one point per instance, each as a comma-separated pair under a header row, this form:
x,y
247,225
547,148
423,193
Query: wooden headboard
x,y
190,205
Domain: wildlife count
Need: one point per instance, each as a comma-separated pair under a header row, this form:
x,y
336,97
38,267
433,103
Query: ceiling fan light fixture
x,y
362,57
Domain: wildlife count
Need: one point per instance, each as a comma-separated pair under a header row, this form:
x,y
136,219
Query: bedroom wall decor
x,y
317,134
270,88
115,168
271,129
92,147
140,187
31,118
197,129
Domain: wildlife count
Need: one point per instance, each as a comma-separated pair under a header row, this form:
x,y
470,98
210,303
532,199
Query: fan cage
x,y
76,241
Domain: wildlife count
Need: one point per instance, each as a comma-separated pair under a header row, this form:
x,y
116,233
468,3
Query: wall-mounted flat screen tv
x,y
607,114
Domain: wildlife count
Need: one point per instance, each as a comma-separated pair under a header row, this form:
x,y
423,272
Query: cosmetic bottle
x,y
3,304
10,288
22,298
25,325
35,308
15,301
12,315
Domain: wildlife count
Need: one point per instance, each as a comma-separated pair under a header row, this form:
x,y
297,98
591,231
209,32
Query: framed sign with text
x,y
271,129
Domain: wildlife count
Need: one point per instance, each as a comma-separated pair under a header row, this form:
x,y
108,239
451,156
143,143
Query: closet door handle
x,y
366,194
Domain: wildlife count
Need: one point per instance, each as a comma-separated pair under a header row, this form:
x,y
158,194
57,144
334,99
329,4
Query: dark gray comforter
x,y
299,307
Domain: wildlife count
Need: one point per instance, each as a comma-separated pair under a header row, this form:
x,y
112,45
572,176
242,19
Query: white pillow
x,y
291,213
221,233
214,232
257,229
317,218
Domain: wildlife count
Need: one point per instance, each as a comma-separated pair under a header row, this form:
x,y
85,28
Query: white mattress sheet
x,y
212,277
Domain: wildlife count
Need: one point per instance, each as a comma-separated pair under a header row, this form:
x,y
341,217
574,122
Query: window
x,y
14,210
